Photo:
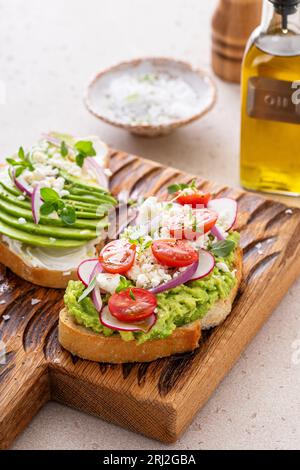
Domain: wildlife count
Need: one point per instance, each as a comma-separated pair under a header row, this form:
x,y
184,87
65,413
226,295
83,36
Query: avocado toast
x,y
172,273
54,202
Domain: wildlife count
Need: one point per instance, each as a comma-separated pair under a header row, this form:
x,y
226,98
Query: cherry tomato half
x,y
132,304
202,222
174,253
194,199
117,257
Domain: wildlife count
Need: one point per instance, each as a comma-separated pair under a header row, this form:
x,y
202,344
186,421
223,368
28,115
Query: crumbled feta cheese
x,y
260,252
2,302
67,273
223,267
108,172
52,240
289,211
6,317
22,221
35,301
108,282
258,245
146,272
21,197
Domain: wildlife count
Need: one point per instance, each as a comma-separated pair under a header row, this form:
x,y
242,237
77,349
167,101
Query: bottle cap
x,y
287,7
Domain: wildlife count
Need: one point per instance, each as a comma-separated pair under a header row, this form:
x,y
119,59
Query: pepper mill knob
x,y
232,24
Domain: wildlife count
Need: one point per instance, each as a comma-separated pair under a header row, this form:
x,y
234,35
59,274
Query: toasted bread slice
x,y
86,344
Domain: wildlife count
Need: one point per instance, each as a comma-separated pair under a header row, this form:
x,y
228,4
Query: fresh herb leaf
x,y
64,149
174,188
49,195
80,159
123,284
147,245
21,154
193,185
195,224
86,148
53,203
89,289
19,171
223,248
21,164
131,294
12,162
47,208
68,215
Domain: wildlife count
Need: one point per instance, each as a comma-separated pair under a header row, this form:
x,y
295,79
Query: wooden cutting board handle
x,y
232,24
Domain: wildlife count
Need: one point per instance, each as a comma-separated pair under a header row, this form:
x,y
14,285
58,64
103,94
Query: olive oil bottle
x,y
270,128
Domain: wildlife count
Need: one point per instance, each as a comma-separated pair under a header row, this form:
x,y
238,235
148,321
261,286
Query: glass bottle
x,y
270,128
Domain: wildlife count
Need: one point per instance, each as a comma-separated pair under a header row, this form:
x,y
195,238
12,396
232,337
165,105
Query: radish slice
x,y
86,269
182,278
226,208
96,164
108,320
36,203
97,299
21,184
97,171
206,264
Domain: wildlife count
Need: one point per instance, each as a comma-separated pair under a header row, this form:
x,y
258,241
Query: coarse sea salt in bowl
x,y
151,96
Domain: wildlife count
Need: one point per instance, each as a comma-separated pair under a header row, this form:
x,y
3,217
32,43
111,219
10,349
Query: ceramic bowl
x,y
199,80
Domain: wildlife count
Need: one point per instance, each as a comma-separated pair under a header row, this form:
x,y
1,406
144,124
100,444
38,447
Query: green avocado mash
x,y
176,307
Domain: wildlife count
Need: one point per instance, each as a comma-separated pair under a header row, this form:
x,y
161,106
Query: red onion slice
x,y
97,270
97,299
55,141
113,323
217,233
21,184
182,278
97,171
36,203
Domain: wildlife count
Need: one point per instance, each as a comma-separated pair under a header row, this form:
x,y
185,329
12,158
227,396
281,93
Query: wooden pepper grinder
x,y
232,24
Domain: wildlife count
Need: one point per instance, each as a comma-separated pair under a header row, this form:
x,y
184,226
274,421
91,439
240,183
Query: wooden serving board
x,y
161,398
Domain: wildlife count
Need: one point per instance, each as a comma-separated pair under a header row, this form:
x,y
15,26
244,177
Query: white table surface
x,y
48,51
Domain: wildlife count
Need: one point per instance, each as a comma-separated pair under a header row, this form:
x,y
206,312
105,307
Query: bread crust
x,y
222,308
86,344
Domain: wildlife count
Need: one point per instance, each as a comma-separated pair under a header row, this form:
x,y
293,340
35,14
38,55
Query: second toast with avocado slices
x,y
54,203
